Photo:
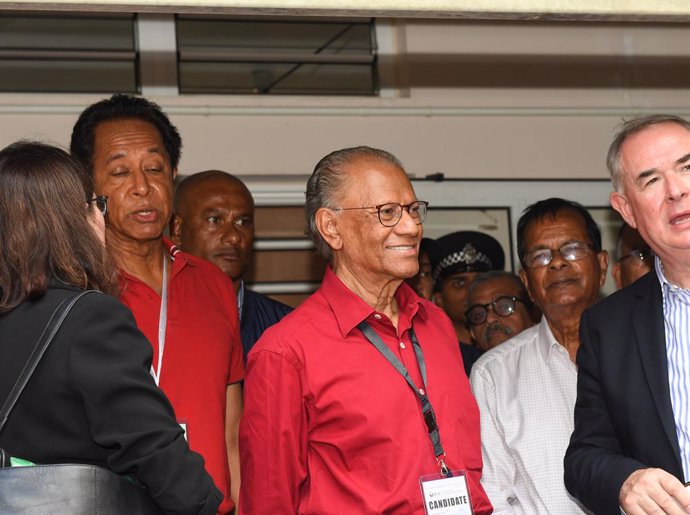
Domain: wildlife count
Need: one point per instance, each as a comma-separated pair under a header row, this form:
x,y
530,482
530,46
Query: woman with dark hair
x,y
91,399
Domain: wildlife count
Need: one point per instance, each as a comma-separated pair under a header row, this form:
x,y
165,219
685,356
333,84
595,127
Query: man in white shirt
x,y
526,387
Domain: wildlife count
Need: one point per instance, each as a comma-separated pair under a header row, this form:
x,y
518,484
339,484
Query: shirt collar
x,y
240,298
668,288
172,249
659,269
180,260
546,340
665,284
349,309
179,257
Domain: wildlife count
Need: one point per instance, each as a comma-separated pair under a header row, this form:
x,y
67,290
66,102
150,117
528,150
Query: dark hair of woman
x,y
44,231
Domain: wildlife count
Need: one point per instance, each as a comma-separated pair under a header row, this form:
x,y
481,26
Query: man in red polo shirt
x,y
357,401
184,305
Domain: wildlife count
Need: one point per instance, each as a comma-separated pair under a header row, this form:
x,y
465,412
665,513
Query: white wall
x,y
431,113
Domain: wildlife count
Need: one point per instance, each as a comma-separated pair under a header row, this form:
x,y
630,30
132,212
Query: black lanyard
x,y
427,410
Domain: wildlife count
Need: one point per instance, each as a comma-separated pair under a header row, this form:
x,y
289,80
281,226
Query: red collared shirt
x,y
330,427
202,354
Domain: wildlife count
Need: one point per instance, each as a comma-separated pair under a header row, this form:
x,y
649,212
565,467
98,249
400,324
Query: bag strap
x,y
47,336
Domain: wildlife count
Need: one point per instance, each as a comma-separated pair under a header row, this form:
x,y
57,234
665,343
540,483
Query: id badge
x,y
446,495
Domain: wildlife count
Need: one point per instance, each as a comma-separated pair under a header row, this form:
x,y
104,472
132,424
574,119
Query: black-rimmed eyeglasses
x,y
641,255
502,306
570,252
391,212
101,202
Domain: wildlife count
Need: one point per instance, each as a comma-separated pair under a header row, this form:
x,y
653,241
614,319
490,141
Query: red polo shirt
x,y
330,427
202,353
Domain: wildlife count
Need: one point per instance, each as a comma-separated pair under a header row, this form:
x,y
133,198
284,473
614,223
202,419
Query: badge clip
x,y
445,471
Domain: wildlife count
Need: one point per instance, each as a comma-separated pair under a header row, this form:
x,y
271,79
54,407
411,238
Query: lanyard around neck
x,y
427,409
162,323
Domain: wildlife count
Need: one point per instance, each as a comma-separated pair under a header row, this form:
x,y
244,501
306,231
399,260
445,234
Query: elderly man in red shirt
x,y
359,394
184,305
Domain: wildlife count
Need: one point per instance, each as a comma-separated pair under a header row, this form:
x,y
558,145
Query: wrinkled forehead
x,y
564,225
371,181
655,147
114,139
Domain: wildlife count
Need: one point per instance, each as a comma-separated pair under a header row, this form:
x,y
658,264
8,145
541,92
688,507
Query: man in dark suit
x,y
214,220
630,449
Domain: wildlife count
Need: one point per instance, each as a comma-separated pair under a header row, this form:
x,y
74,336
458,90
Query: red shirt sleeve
x,y
273,445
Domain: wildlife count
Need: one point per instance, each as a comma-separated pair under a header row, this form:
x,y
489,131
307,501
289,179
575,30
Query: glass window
x,y
276,56
70,53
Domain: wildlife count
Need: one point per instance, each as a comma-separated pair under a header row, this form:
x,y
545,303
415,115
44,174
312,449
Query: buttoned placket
x,y
402,346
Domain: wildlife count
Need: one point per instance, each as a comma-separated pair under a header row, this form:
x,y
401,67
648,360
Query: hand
x,y
654,491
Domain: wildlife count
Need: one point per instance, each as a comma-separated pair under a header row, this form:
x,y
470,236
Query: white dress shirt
x,y
526,390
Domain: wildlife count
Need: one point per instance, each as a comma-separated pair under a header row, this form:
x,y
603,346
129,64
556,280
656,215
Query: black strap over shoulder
x,y
67,488
4,459
47,336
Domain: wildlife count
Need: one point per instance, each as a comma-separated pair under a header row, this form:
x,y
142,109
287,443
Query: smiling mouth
x,y
402,247
680,219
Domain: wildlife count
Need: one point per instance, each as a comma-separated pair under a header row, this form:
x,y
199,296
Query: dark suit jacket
x,y
92,400
470,355
623,414
258,314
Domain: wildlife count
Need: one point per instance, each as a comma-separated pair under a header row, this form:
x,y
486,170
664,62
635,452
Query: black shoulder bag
x,y
63,488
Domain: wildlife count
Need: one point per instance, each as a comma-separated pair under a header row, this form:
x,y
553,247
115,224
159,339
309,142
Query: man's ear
x,y
473,333
616,273
327,225
603,258
525,280
437,297
176,229
620,203
174,174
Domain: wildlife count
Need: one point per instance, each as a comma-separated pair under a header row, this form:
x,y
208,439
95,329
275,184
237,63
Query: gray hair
x,y
629,128
326,182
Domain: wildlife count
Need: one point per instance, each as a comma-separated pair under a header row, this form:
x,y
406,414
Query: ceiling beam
x,y
581,10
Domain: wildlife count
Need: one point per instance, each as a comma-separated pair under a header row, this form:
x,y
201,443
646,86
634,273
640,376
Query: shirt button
x,y
377,316
421,390
402,345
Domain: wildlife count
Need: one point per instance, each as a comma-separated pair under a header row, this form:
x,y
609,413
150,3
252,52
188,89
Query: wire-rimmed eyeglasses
x,y
641,255
502,306
570,252
101,202
390,213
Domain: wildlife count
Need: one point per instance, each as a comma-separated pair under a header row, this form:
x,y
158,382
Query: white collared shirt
x,y
526,390
676,304
240,299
